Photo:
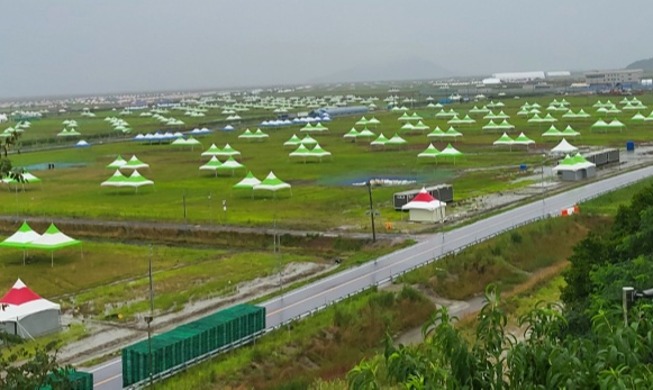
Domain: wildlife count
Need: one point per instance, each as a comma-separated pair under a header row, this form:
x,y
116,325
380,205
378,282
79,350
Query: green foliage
x,y
604,263
25,370
610,356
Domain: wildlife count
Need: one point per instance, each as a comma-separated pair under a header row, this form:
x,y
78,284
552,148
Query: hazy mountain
x,y
403,69
642,64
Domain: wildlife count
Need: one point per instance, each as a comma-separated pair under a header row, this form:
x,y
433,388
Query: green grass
x,y
609,203
325,345
509,259
74,332
318,188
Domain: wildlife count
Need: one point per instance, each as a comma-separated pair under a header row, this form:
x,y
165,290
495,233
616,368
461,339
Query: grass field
x,y
321,190
108,279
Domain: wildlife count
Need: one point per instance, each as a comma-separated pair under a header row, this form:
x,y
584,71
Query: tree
x,y
6,169
25,370
611,355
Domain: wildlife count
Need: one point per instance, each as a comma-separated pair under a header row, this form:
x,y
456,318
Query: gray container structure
x,y
442,192
603,157
580,174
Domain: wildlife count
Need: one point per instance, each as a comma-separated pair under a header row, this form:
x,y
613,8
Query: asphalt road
x,y
304,300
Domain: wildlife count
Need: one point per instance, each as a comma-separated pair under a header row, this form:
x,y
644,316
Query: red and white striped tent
x,y
24,313
425,208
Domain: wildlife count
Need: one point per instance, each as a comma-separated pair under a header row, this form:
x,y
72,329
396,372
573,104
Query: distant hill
x,y
403,69
642,64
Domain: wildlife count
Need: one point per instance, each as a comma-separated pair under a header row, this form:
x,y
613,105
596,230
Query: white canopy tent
x,y
26,314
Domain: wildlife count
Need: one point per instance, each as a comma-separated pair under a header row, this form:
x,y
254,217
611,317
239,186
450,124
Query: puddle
x,y
57,165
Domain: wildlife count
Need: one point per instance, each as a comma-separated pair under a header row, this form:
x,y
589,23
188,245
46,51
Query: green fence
x,y
70,380
187,342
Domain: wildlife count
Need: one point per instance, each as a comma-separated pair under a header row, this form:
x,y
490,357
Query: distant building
x,y
519,77
558,74
611,78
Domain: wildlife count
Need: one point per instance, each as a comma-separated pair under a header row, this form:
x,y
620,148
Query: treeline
x,y
583,343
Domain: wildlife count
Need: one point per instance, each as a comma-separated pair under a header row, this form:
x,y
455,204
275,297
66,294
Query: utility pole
x,y
150,318
183,201
369,190
543,188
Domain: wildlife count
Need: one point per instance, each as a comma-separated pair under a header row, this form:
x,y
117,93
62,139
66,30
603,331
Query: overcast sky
x,y
98,46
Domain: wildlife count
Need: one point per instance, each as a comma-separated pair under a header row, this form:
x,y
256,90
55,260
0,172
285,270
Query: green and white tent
x,y
415,117
491,115
374,122
213,150
320,128
260,135
638,117
450,151
616,124
227,151
134,163
396,140
272,183
482,110
362,122
307,128
491,126
504,125
451,132
504,140
436,133
230,165
301,151
22,239
318,152
381,140
52,240
248,182
574,163
308,140
212,165
455,121
404,117
548,118
353,133
429,152
293,141
570,132
115,180
366,133
467,120
536,119
649,118
522,139
136,180
247,134
68,133
407,127
552,132
582,114
599,124
184,142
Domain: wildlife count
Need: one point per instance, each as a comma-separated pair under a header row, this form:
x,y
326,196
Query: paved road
x,y
311,297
